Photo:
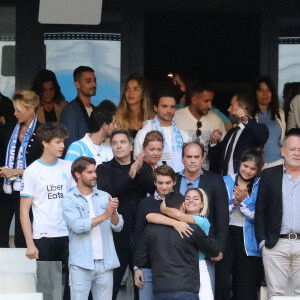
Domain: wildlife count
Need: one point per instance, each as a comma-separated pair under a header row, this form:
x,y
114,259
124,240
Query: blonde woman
x,y
22,149
135,106
153,147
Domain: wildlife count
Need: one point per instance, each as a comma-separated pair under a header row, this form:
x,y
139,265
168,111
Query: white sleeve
x,y
28,182
138,142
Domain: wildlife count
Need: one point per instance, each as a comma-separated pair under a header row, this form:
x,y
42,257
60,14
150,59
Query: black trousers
x,y
53,249
125,258
10,205
238,272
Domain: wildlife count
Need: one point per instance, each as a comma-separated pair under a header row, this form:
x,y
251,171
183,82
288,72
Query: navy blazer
x,y
268,211
75,117
218,213
253,135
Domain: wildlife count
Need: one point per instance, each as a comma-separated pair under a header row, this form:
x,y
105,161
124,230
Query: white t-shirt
x,y
168,136
95,233
47,185
210,122
89,110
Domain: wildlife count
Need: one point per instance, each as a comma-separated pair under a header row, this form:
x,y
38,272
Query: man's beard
x,y
233,119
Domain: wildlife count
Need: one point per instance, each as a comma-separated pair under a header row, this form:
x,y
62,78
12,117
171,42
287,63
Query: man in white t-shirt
x,y
93,144
197,119
164,106
45,183
91,215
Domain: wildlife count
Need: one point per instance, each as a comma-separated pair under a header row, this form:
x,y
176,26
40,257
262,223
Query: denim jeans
x,y
97,280
145,292
176,296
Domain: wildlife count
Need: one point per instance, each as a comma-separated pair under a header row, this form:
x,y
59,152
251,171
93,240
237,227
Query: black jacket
x,y
34,148
268,210
253,135
174,260
114,179
218,214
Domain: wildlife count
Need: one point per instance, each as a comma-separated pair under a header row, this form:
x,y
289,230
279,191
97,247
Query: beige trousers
x,y
281,262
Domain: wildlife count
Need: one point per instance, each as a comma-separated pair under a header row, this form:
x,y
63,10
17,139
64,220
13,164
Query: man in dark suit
x,y
76,114
192,176
277,222
246,133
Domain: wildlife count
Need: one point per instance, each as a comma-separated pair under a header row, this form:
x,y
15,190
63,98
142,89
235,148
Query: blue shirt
x,y
186,184
204,224
77,216
272,146
290,204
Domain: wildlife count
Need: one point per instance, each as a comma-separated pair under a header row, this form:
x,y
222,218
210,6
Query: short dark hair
x,y
165,89
245,99
164,170
80,164
107,105
79,70
100,117
200,145
122,131
50,130
174,200
197,87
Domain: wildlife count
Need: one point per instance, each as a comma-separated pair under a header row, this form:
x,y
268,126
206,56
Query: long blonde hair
x,y
203,196
123,113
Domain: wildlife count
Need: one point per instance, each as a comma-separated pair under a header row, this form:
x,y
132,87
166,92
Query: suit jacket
x,y
75,117
253,135
218,214
268,212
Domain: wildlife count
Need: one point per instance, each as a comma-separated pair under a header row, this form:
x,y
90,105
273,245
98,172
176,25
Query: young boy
x,y
45,183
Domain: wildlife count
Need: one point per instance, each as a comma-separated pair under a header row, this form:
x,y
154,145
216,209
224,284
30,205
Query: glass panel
x,y
102,52
7,50
288,65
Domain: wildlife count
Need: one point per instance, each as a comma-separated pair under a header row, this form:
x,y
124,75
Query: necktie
x,y
229,150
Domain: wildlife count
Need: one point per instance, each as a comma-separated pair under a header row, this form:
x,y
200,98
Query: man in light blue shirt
x,y
277,225
90,215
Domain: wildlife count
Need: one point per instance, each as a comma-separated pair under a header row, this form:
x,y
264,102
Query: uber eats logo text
x,y
55,191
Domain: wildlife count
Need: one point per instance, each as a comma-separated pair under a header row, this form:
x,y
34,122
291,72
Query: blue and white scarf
x,y
177,142
21,158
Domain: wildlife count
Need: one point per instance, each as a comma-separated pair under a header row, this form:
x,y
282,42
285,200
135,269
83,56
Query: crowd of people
x,y
197,205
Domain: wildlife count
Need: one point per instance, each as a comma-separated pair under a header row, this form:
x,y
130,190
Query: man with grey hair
x,y
130,181
277,223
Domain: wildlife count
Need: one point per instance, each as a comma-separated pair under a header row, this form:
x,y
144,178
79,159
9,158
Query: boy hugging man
x,y
45,182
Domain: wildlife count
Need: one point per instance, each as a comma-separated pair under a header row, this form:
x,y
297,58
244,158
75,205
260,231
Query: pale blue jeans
x,y
97,280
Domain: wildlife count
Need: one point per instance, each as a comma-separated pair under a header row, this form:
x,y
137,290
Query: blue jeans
x,y
176,296
145,292
97,280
